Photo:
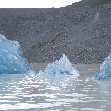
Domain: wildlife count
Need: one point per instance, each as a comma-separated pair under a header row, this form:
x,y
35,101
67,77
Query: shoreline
x,y
82,68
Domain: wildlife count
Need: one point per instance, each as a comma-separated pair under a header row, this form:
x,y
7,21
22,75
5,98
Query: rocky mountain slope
x,y
82,31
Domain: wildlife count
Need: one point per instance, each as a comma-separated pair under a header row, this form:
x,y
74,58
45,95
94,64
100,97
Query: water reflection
x,y
63,93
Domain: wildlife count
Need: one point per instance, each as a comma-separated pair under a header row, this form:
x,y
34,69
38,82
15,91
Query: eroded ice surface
x,y
104,72
11,57
61,67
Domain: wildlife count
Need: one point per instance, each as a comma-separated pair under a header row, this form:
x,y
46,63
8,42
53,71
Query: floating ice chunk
x,y
61,67
104,72
11,57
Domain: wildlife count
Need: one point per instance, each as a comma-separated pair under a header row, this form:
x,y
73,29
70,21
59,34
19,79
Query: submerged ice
x,y
61,67
104,72
11,57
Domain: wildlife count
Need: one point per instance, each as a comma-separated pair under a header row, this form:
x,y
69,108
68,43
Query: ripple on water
x,y
22,92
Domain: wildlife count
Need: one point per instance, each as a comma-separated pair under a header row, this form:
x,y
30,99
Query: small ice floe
x,y
61,67
11,57
104,72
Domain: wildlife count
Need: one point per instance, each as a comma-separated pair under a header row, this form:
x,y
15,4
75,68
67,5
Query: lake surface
x,y
22,92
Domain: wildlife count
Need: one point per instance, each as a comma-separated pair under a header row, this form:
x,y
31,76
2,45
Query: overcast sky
x,y
35,3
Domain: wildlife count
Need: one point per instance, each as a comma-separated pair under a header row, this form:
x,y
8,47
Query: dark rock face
x,y
82,31
95,2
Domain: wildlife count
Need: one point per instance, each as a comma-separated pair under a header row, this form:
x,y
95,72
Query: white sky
x,y
35,3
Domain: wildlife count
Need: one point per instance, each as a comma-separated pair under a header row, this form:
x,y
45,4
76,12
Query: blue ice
x,y
11,57
61,67
104,72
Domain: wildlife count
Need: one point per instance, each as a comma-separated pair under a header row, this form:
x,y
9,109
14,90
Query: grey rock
x,y
82,31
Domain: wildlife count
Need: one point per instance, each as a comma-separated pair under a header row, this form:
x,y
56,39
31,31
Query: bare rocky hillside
x,y
82,31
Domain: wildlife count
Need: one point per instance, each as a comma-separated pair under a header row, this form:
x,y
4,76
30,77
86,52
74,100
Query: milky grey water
x,y
22,92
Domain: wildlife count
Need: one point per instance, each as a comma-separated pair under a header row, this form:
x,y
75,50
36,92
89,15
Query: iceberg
x,y
104,72
61,67
11,57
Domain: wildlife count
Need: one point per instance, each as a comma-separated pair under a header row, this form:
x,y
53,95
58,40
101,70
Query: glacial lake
x,y
22,92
